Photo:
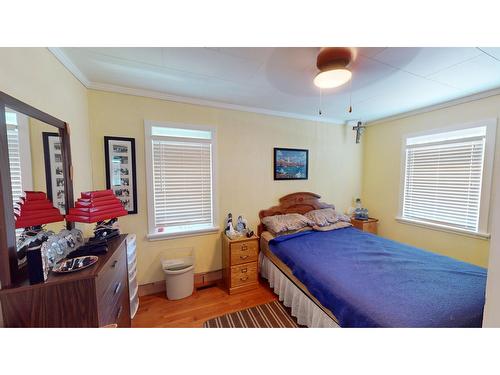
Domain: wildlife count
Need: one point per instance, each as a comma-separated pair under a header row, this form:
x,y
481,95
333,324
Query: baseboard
x,y
201,280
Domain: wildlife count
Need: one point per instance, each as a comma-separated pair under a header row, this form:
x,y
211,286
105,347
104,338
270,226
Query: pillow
x,y
281,223
289,231
337,225
322,217
342,217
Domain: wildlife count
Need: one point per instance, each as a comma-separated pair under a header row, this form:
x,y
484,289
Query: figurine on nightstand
x,y
242,227
241,224
240,230
229,230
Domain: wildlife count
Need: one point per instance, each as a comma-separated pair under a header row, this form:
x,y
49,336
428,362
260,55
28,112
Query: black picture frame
x,y
123,150
301,174
54,171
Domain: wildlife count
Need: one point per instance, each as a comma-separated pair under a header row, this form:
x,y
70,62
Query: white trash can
x,y
179,277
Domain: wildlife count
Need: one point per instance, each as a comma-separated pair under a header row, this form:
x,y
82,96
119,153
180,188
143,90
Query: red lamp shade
x,y
35,209
94,206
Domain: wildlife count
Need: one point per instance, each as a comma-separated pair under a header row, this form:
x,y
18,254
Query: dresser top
x,y
89,272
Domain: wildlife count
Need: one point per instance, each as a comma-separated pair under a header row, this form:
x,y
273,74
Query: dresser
x,y
240,263
369,225
93,297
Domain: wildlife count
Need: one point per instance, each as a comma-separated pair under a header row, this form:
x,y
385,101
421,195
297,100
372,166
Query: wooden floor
x,y
157,311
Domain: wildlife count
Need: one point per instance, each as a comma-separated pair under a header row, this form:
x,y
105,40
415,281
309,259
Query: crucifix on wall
x,y
359,130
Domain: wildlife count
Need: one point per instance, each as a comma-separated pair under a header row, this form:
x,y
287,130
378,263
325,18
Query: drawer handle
x,y
114,264
244,247
117,287
119,312
244,278
244,270
243,256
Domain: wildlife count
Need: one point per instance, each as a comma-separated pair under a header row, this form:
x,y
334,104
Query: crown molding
x,y
203,102
68,64
436,107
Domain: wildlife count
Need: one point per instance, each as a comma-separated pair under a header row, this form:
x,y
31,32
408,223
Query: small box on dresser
x,y
240,263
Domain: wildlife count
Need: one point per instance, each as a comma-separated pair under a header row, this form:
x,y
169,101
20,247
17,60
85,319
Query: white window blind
x,y
19,148
443,179
14,161
182,182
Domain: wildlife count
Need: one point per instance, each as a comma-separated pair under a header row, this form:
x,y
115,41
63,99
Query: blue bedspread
x,y
370,281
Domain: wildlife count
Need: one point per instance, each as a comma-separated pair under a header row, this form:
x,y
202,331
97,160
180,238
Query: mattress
x,y
364,280
265,237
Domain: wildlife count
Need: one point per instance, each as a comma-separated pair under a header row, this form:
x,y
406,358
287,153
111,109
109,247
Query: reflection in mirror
x,y
36,164
18,137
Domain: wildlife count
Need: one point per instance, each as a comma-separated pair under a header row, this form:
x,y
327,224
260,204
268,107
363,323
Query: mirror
x,y
37,158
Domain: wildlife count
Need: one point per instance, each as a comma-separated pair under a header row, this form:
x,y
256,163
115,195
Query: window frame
x,y
152,235
487,178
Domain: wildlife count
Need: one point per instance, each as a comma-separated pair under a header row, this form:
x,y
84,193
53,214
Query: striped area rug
x,y
269,315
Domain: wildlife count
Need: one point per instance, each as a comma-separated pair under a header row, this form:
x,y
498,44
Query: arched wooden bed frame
x,y
300,203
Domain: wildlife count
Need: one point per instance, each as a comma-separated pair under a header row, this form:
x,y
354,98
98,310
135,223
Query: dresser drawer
x,y
113,303
243,274
244,252
118,313
111,286
111,273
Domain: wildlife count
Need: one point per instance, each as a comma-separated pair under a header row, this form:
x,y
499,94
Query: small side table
x,y
239,261
369,225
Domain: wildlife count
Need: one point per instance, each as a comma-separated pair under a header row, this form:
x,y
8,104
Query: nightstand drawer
x,y
244,252
244,274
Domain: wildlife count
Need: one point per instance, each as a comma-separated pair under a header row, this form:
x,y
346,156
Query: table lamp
x,y
31,212
97,207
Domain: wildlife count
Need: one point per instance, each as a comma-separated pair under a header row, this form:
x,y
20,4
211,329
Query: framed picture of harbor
x,y
291,164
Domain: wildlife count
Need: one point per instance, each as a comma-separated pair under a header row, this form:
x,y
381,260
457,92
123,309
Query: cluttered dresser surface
x,y
94,297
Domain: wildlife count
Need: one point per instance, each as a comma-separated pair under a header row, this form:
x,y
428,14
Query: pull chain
x,y
320,101
350,97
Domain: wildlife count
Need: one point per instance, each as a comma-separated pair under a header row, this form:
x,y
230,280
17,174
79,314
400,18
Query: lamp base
x,y
103,232
30,246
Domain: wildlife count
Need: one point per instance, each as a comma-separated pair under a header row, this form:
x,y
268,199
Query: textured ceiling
x,y
386,81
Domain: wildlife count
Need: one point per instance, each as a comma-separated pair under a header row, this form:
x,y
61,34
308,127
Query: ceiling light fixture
x,y
332,63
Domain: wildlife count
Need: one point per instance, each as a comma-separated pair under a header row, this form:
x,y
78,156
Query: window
x,y
180,173
447,178
18,142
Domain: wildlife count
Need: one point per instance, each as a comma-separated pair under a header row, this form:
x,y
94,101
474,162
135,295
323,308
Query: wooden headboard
x,y
293,203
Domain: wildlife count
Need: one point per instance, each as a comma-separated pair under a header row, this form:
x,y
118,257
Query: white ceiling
x,y
386,81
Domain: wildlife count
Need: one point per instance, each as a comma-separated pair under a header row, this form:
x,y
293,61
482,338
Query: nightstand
x,y
239,261
369,225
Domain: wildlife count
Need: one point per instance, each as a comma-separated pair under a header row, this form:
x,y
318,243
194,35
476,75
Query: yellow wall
x,y
36,77
382,173
245,144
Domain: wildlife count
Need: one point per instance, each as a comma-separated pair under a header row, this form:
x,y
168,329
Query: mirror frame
x,y
10,273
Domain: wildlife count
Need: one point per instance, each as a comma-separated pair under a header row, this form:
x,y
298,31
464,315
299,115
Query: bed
x,y
350,278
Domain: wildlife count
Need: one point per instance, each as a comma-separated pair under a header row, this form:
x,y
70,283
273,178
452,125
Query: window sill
x,y
188,233
442,228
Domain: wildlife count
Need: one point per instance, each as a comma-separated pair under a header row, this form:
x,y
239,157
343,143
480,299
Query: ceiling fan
x,y
332,63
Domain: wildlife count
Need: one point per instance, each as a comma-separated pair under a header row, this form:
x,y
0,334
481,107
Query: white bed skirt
x,y
305,310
